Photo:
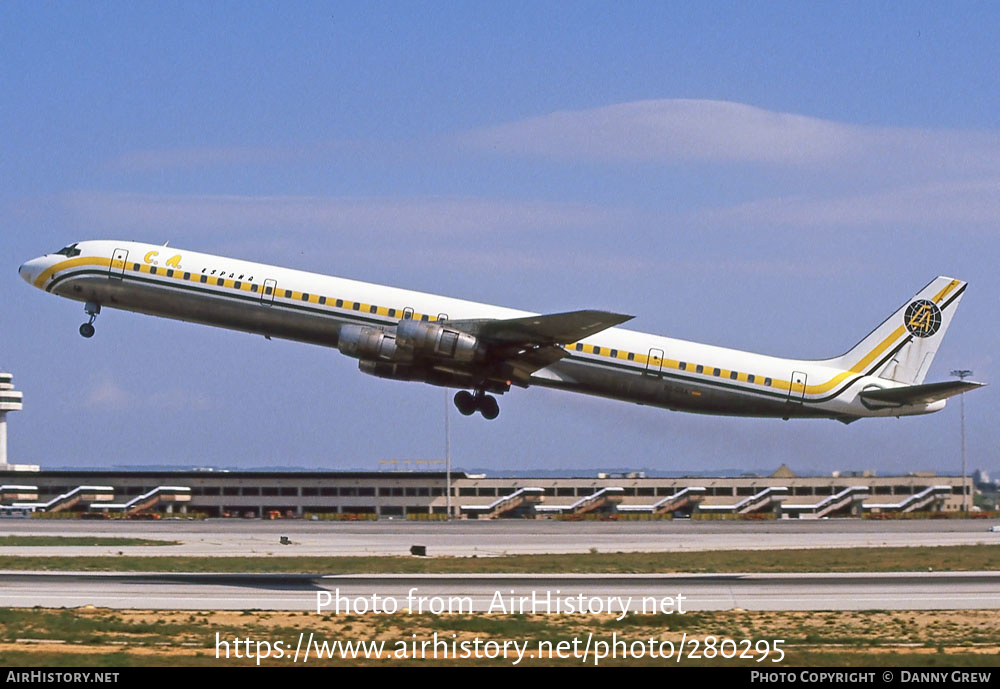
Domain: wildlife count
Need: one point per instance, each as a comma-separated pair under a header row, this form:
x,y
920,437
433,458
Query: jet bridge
x,y
846,501
683,500
603,498
81,495
16,493
141,503
521,498
929,497
770,497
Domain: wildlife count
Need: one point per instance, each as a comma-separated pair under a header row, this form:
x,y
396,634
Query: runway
x,y
219,537
410,594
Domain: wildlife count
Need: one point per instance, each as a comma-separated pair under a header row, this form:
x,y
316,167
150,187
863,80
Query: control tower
x,y
10,400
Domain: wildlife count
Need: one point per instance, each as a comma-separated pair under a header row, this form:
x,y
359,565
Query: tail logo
x,y
922,318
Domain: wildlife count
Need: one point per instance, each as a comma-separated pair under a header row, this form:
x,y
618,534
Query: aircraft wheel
x,y
87,330
465,402
489,408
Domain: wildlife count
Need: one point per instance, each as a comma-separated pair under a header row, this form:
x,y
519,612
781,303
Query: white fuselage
x,y
308,307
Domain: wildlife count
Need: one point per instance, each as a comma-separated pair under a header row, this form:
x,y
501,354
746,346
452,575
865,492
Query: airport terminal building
x,y
424,495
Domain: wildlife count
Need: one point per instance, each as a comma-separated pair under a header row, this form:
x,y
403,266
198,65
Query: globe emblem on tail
x,y
922,318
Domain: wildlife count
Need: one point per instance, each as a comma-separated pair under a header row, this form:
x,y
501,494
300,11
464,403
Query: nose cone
x,y
30,271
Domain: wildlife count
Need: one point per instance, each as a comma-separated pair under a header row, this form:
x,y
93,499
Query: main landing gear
x,y
92,309
469,404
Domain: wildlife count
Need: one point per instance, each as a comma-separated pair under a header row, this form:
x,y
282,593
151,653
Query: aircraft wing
x,y
921,394
550,329
520,346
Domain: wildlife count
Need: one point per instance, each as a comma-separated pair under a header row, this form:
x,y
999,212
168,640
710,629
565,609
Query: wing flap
x,y
921,394
520,366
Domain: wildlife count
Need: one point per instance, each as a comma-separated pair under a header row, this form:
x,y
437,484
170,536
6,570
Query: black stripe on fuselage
x,y
722,384
346,315
351,316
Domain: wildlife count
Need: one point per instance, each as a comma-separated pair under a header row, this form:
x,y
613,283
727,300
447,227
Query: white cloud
x,y
108,394
836,175
940,206
671,131
178,214
160,159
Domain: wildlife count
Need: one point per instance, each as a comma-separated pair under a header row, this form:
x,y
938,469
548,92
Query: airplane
x,y
484,350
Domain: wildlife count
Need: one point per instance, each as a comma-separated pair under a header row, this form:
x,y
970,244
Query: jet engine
x,y
435,341
409,341
367,342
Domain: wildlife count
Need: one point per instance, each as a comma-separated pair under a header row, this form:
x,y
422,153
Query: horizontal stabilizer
x,y
550,329
921,394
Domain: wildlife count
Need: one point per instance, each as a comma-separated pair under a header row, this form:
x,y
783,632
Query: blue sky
x,y
777,177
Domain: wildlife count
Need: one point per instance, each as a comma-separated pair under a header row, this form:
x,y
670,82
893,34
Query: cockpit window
x,y
70,250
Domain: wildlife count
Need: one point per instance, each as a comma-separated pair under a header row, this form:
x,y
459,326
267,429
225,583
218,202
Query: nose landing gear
x,y
91,309
469,404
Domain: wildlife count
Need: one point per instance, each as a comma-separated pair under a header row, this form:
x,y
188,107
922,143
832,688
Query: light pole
x,y
962,374
447,453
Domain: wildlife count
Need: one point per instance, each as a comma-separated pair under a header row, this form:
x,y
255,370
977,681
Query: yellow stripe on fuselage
x,y
292,295
638,358
73,263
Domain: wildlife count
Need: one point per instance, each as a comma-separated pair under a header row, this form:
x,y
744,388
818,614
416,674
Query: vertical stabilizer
x,y
902,348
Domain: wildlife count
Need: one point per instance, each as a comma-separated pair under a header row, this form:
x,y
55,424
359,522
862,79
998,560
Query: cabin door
x,y
654,363
797,390
118,261
267,292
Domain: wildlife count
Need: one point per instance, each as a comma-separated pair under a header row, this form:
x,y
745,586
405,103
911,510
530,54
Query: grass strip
x,y
121,638
918,558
